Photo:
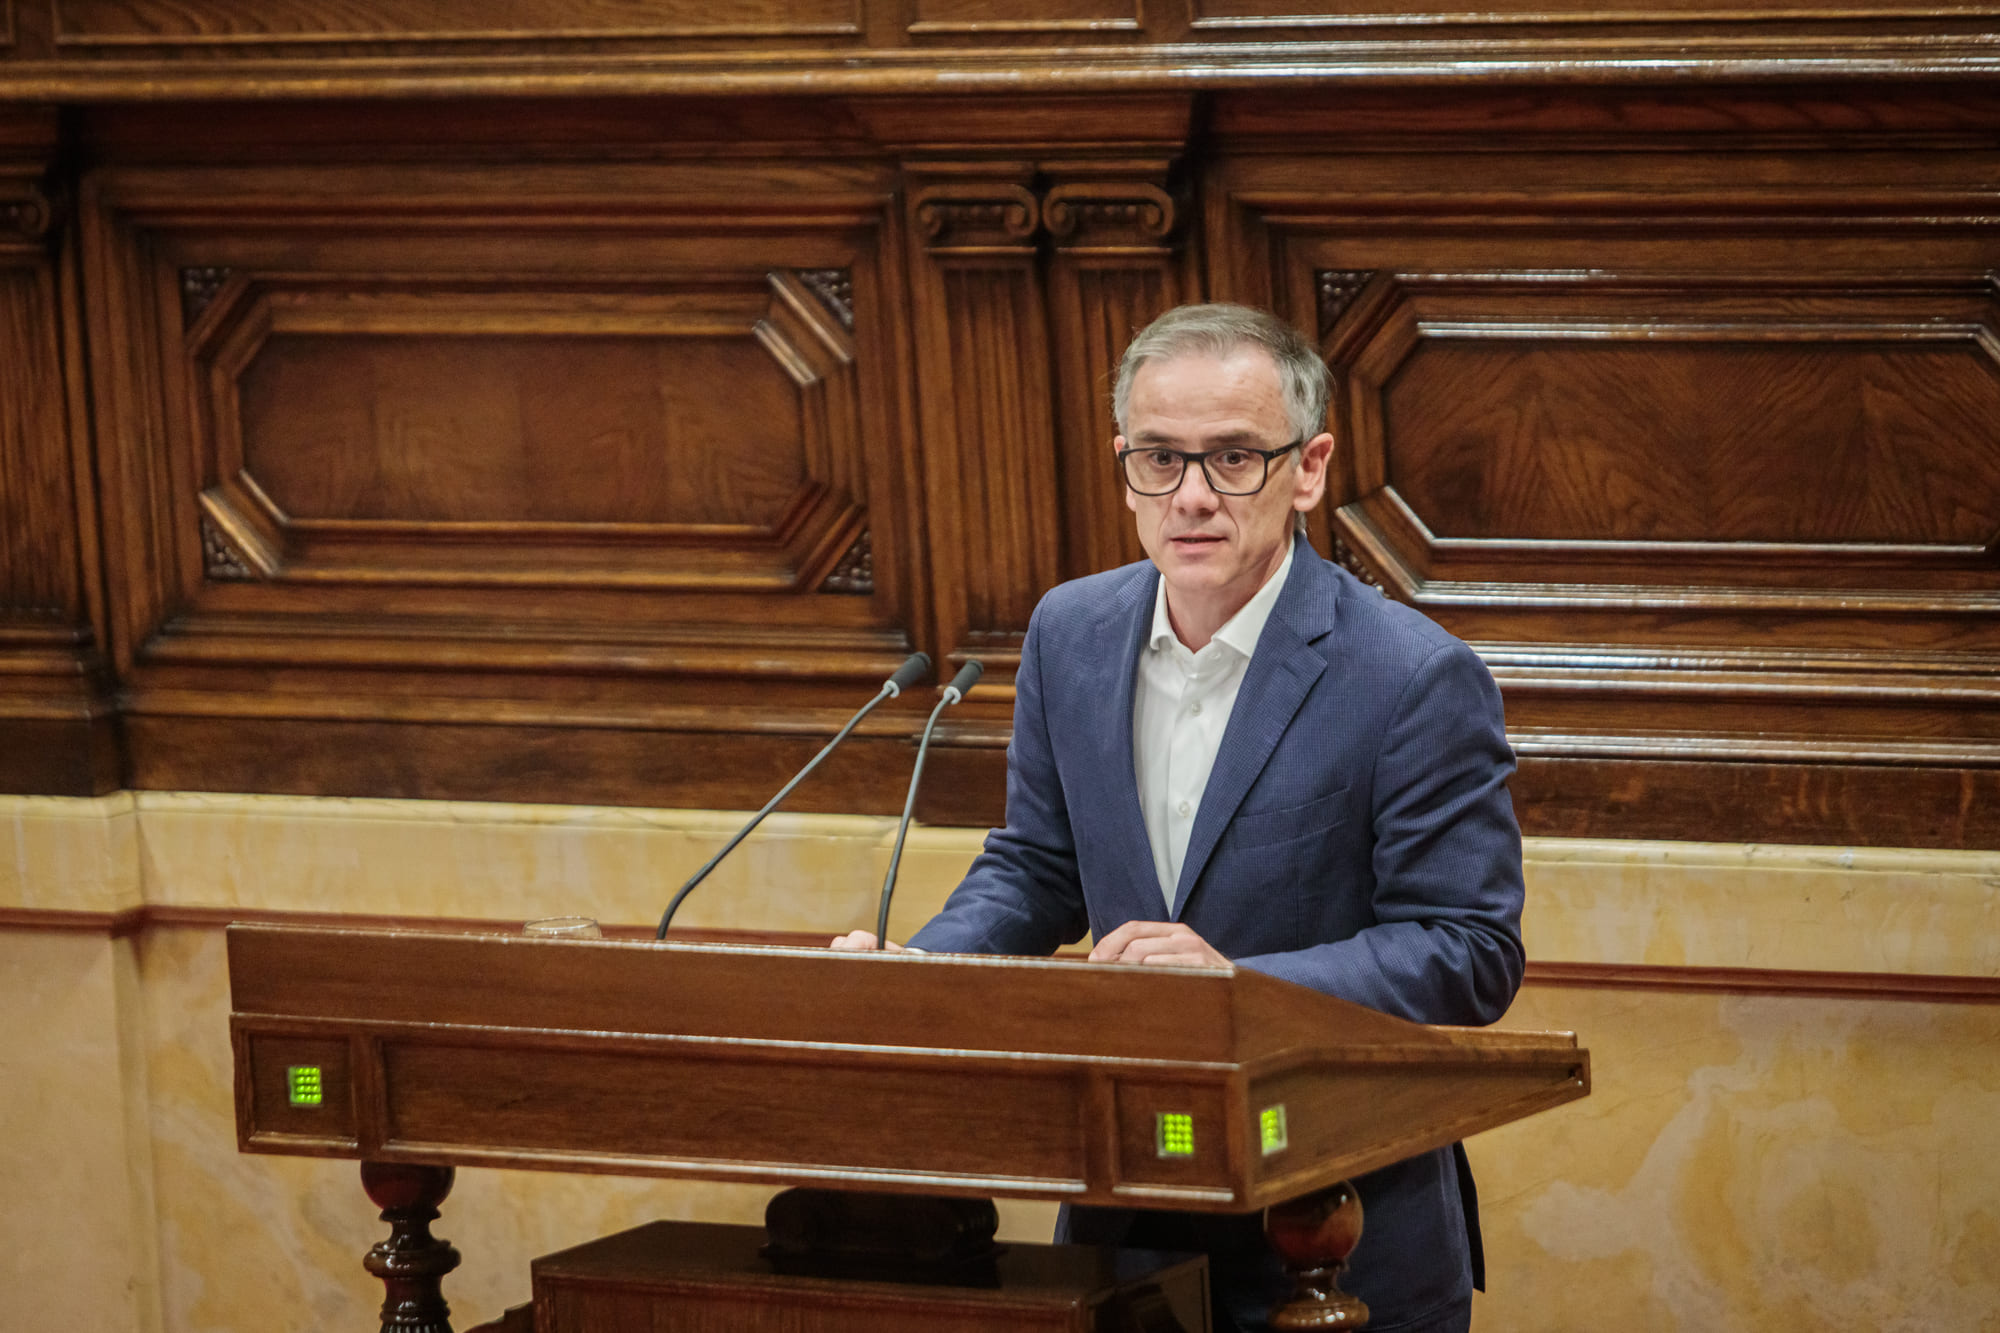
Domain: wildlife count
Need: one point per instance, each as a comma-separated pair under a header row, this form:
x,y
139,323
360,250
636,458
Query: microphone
x,y
915,667
968,675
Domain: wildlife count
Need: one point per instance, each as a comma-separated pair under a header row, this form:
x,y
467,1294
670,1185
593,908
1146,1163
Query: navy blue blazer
x,y
1356,836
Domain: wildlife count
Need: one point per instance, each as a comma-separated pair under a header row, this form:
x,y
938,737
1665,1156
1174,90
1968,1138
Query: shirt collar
x,y
1242,630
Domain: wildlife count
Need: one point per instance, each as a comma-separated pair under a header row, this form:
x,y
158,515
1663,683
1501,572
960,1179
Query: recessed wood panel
x,y
34,466
1262,14
479,431
510,428
693,1104
1004,16
180,22
1576,438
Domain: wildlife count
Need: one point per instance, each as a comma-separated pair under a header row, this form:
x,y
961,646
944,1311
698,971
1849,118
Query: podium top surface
x,y
1212,1088
1050,1007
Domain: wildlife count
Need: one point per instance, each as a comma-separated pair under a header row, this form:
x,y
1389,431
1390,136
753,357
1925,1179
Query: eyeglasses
x,y
1237,470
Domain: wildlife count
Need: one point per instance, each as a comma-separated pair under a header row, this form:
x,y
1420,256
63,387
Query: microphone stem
x,y
772,804
909,807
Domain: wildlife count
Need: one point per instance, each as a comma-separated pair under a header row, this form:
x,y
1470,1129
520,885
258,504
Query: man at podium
x,y
1236,751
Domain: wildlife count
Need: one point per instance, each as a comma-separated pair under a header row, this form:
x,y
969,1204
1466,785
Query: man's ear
x,y
1314,455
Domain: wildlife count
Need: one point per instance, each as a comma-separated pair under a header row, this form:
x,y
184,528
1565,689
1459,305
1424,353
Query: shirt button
x,y
1184,807
1196,710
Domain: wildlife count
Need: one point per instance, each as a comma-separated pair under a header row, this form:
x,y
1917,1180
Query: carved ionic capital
x,y
977,214
29,216
1110,212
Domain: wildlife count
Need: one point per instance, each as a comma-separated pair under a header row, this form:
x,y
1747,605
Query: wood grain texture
x,y
1703,475
1117,263
591,419
612,449
707,1278
686,1060
225,48
34,463
57,722
982,364
200,22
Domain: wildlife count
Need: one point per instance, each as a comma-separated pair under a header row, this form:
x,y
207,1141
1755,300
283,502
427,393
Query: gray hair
x,y
1218,330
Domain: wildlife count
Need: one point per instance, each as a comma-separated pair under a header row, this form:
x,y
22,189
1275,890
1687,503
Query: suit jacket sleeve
x,y
1022,895
1445,944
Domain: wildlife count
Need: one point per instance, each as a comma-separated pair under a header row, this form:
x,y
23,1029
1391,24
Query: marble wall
x,y
1750,1159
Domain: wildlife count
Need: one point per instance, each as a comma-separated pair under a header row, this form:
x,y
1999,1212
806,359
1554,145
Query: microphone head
x,y
968,676
915,667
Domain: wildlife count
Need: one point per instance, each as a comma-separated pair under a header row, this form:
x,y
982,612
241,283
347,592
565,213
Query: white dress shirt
x,y
1180,707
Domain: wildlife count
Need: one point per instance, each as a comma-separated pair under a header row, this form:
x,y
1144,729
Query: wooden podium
x,y
942,1075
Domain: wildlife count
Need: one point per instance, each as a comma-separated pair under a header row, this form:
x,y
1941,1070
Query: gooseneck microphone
x,y
963,682
915,667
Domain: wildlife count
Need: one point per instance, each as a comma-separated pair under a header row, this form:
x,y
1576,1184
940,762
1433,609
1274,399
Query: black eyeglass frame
x,y
1200,458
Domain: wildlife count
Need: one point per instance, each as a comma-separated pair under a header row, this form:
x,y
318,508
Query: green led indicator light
x,y
1176,1133
305,1085
1271,1129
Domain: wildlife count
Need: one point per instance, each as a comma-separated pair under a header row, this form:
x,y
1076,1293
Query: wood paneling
x,y
1697,447
1080,18
79,49
56,723
613,449
388,430
983,364
1117,262
202,22
1264,15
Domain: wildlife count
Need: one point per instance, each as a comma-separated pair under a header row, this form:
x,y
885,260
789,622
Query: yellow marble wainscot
x,y
1747,1161
1751,1164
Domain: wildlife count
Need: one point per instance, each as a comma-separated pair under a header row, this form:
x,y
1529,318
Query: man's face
x,y
1214,550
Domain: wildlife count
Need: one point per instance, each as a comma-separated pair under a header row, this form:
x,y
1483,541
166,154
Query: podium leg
x,y
1314,1235
412,1262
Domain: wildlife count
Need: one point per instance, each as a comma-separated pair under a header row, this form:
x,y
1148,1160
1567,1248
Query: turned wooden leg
x,y
1314,1235
412,1262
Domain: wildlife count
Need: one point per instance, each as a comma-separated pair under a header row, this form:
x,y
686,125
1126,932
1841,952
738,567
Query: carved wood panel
x,y
219,22
1115,265
509,437
589,447
613,449
1700,452
983,370
55,714
80,49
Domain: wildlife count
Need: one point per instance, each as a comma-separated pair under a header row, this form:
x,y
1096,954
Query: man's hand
x,y
1167,942
862,939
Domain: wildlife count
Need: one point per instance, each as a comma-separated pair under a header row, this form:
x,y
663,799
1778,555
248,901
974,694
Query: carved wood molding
x,y
1071,214
199,287
1344,556
1112,212
219,557
994,213
835,289
1336,290
31,215
855,574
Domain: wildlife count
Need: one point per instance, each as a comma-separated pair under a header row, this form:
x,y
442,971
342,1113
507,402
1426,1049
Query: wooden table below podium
x,y
697,1277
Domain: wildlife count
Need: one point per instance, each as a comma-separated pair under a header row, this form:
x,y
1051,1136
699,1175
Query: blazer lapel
x,y
1127,629
1281,673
